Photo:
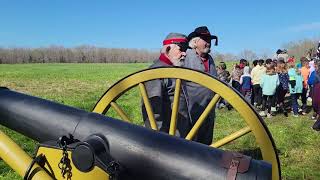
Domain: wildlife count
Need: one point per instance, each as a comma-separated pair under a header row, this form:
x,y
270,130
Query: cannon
x,y
76,144
101,146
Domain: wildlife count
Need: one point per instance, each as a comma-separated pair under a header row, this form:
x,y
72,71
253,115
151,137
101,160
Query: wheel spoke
x,y
120,112
175,107
231,137
148,107
203,116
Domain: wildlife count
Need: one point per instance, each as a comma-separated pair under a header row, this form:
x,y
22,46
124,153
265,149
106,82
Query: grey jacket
x,y
194,61
161,95
198,97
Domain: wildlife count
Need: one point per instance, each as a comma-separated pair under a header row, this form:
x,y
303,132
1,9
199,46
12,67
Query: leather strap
x,y
235,163
233,170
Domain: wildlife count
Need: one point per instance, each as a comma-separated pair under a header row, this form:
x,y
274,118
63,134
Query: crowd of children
x,y
275,86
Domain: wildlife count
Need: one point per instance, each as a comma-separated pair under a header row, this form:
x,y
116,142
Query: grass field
x,y
81,85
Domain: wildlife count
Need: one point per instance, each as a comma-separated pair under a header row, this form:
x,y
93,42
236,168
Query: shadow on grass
x,y
255,153
308,109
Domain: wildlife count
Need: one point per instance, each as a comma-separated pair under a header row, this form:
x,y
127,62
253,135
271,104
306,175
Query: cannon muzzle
x,y
144,153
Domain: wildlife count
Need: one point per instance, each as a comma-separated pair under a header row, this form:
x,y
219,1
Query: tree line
x,y
81,54
92,54
298,49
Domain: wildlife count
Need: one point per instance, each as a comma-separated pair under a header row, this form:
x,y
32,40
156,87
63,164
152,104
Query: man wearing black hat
x,y
161,91
198,97
198,56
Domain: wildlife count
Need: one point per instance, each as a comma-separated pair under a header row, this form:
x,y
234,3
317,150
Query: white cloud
x,y
306,27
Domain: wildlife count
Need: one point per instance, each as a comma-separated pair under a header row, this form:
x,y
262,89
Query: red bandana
x,y
174,40
165,59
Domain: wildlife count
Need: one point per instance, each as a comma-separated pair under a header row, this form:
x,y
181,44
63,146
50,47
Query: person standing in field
x,y
311,69
269,83
198,58
269,62
254,64
161,91
316,96
246,85
282,54
223,73
311,80
295,87
224,76
305,72
283,88
235,77
257,72
243,63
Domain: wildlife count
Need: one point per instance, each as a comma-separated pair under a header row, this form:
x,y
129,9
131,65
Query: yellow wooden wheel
x,y
254,123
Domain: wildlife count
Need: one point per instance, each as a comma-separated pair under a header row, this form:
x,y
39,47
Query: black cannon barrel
x,y
144,153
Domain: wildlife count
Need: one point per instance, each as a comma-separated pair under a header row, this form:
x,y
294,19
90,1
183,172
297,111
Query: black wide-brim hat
x,y
203,32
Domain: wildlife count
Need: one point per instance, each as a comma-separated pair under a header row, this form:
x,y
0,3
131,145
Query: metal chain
x,y
113,169
64,163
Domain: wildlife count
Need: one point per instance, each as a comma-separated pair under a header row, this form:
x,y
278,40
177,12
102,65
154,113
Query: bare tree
x,y
305,47
248,55
265,54
229,57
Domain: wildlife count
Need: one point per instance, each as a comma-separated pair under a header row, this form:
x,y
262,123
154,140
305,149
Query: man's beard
x,y
178,62
206,50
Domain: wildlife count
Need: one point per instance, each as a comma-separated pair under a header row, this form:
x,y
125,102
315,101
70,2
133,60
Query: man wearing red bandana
x,y
161,91
198,97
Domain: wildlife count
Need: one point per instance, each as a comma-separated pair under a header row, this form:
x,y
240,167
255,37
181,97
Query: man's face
x,y
177,54
203,45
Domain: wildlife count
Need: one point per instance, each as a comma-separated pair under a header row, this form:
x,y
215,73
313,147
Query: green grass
x,y
81,85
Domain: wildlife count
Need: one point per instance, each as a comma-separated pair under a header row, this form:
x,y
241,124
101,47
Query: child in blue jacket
x,y
295,87
246,85
269,83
